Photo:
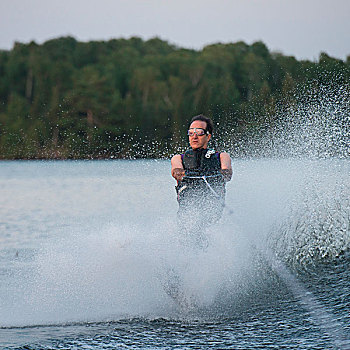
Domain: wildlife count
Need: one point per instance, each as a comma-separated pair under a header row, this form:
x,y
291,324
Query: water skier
x,y
201,175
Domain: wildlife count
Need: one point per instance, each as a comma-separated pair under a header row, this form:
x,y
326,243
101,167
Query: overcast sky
x,y
302,28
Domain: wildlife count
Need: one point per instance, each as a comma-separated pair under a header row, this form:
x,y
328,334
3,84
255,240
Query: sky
x,y
300,28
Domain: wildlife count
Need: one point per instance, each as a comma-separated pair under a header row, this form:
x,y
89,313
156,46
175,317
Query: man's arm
x,y
226,167
177,169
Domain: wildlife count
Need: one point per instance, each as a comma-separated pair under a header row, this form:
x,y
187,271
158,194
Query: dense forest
x,y
127,98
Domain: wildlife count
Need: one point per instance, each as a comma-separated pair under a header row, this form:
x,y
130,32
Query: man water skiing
x,y
201,175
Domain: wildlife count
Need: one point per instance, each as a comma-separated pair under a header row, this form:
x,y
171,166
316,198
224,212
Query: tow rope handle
x,y
216,195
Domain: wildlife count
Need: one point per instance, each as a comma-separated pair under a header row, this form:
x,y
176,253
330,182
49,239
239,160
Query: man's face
x,y
196,141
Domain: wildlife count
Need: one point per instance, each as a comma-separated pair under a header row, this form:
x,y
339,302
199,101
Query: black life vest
x,y
201,162
197,163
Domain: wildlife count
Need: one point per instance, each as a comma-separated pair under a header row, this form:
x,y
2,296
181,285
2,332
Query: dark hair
x,y
201,117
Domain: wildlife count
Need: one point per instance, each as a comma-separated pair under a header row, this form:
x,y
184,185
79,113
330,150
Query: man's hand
x,y
178,173
227,174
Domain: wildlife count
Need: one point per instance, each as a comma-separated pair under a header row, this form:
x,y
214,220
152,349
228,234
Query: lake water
x,y
88,250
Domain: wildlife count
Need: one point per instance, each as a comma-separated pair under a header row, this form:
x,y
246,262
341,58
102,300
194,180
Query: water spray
x,y
319,315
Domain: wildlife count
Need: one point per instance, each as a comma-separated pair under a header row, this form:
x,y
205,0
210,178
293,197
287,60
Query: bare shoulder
x,y
176,158
225,160
176,161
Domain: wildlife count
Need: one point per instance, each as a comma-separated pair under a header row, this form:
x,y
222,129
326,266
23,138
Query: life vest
x,y
197,163
201,162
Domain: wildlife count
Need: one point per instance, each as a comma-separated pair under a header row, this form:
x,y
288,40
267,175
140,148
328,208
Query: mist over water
x,y
313,123
98,269
97,241
118,271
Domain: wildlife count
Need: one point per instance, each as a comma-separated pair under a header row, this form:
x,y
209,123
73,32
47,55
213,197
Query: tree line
x,y
127,98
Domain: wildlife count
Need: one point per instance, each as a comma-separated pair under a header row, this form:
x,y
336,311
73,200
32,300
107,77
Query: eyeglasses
x,y
198,131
